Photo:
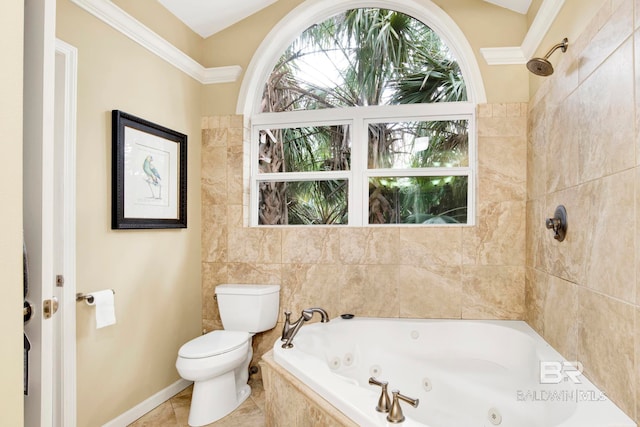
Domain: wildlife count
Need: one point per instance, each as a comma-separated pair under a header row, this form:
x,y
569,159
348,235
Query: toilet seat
x,y
213,344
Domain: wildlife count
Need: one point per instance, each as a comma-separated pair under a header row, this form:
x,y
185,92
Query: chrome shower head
x,y
542,66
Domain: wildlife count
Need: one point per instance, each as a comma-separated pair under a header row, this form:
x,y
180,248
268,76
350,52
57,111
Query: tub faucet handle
x,y
287,325
395,413
383,402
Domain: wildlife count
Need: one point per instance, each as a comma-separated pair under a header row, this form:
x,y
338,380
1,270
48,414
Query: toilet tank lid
x,y
247,289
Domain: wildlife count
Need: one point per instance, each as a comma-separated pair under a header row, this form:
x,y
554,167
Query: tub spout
x,y
324,317
291,329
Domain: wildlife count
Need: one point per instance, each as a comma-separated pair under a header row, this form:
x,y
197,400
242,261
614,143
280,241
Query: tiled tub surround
x,y
583,295
463,272
464,373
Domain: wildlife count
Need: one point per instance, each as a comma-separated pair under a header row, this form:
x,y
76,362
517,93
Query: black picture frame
x,y
149,174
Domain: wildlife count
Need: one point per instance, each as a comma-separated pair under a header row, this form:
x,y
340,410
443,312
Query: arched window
x,y
363,120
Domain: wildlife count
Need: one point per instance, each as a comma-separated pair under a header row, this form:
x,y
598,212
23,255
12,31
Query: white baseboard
x,y
143,407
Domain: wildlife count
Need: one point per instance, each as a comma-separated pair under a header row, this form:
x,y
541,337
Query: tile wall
x,y
466,272
583,294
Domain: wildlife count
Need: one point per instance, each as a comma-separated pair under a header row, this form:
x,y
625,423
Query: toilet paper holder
x,y
88,297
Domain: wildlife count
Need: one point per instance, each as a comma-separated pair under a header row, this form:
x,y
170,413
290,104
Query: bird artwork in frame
x,y
149,174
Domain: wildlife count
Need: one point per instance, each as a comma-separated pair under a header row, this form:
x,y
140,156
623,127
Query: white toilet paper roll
x,y
104,302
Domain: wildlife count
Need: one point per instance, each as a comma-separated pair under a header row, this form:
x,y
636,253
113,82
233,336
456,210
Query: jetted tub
x,y
466,373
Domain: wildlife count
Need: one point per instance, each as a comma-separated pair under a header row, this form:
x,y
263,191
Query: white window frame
x,y
358,176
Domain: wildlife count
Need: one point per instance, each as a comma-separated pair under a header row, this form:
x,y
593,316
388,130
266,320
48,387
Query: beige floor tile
x,y
175,411
163,415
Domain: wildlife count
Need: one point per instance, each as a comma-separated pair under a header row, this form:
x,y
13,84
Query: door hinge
x,y
59,280
49,307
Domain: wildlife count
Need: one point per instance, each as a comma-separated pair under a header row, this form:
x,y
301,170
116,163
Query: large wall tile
x,y
493,292
213,274
636,45
610,236
536,152
501,168
606,132
499,236
637,245
214,242
637,374
369,290
616,29
369,246
433,292
234,174
502,127
562,147
561,317
213,171
252,272
311,246
311,285
430,246
535,216
605,346
255,245
536,289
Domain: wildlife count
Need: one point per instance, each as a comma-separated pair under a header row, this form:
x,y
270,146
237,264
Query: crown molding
x,y
117,18
547,13
503,55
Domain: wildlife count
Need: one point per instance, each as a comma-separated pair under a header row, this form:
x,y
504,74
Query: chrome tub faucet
x,y
291,329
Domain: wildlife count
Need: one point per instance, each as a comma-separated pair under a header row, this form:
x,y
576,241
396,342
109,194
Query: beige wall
x,y
483,24
156,17
11,37
583,294
462,272
155,273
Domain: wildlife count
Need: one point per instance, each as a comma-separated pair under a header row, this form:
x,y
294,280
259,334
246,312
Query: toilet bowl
x,y
212,362
218,362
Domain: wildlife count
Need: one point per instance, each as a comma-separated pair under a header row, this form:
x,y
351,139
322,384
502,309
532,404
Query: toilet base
x,y
213,399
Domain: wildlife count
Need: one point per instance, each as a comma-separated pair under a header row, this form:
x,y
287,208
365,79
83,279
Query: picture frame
x,y
149,174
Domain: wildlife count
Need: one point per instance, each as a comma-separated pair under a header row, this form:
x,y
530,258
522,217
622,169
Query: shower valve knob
x,y
558,223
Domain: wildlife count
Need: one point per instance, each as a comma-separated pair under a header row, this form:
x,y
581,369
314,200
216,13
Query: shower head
x,y
542,66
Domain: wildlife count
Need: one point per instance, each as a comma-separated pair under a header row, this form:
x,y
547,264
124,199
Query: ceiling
x,y
207,17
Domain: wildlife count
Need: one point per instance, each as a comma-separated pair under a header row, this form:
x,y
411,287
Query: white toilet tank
x,y
249,308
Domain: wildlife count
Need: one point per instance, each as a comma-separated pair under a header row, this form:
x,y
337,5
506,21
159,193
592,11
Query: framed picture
x,y
149,173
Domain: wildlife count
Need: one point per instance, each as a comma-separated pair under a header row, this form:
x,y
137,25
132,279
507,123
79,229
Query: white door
x,y
49,402
39,58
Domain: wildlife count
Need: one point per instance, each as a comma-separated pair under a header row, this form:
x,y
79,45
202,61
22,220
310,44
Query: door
x,y
44,195
39,54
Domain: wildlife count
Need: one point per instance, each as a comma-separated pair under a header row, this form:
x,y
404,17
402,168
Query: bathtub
x,y
465,373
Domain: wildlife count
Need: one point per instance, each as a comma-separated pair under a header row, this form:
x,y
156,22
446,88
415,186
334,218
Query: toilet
x,y
218,362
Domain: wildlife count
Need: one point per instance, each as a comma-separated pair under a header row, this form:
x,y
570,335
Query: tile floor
x,y
175,411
